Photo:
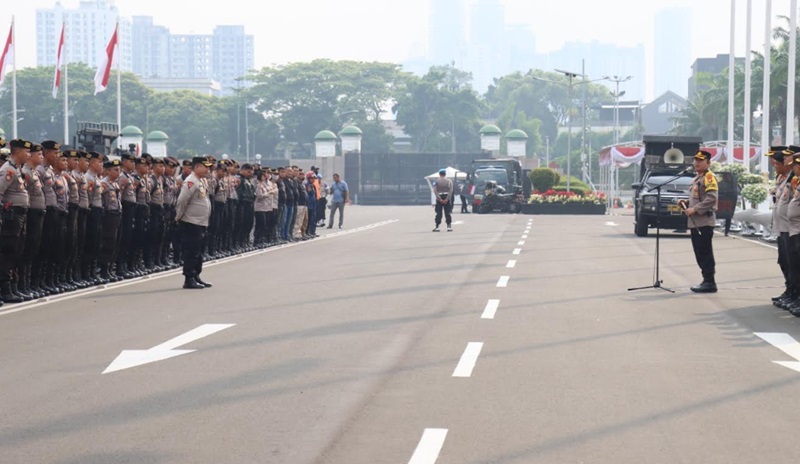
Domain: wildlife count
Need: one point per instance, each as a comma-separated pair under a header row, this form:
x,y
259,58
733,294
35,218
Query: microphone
x,y
688,170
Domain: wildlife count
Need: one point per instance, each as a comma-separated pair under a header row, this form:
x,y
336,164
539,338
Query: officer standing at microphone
x,y
702,218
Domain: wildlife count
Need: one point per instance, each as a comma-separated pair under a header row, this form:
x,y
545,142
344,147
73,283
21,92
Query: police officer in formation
x,y
72,219
786,222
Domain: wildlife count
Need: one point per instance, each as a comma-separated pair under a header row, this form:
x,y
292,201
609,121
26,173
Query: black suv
x,y
667,212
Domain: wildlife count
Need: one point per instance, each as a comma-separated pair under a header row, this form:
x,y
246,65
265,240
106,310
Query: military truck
x,y
506,173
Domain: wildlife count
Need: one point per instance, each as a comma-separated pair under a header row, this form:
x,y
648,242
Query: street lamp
x,y
616,94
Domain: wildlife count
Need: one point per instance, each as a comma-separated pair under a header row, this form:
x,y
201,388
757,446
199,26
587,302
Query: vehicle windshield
x,y
498,176
681,183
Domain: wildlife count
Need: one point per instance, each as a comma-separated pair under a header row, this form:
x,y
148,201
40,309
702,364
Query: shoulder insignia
x,y
9,175
189,185
711,182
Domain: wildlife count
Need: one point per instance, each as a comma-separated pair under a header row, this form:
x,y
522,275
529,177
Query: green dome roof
x,y
131,131
491,129
517,134
351,130
325,135
157,136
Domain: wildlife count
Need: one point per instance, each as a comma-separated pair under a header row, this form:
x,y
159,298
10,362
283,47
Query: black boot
x,y
17,287
122,271
706,286
192,284
28,284
61,279
8,296
204,284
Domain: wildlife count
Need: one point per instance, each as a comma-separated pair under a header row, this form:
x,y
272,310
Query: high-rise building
x,y
704,69
190,56
446,24
151,48
487,49
672,58
88,31
231,56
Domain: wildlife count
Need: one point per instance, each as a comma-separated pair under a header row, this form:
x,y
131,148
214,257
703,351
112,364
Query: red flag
x,y
104,68
7,53
59,63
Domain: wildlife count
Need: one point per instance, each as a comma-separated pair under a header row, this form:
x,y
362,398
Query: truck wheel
x,y
640,228
483,208
514,207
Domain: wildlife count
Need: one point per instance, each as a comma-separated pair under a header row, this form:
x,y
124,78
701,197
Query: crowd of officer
x,y
72,218
786,223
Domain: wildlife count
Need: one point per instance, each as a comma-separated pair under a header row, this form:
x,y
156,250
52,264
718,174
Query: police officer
x,y
232,221
61,189
246,192
780,200
79,174
155,232
14,199
94,222
192,214
128,185
72,217
142,183
443,188
52,219
702,219
170,198
112,217
29,281
219,195
793,213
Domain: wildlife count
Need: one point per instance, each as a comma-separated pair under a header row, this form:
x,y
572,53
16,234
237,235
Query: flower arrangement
x,y
563,197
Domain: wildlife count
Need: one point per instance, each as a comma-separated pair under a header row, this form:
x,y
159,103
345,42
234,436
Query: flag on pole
x,y
104,69
59,63
8,52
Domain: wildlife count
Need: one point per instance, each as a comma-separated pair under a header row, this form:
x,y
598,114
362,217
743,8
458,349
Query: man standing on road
x,y
702,218
780,219
340,197
192,213
443,189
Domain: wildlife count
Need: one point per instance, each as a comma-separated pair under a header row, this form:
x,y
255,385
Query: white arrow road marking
x,y
491,309
468,360
517,251
612,224
511,263
785,343
503,281
166,350
429,446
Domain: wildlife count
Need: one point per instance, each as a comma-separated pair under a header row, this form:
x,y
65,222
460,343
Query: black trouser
x,y
783,260
229,226
794,261
169,231
71,240
321,204
155,235
12,240
463,203
703,251
33,239
271,219
260,234
192,237
445,208
47,250
94,227
246,219
140,224
60,252
109,237
216,227
80,241
126,227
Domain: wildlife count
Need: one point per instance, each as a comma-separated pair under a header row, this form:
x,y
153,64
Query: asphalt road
x,y
387,343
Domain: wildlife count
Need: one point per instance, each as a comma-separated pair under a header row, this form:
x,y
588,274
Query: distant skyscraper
x,y
151,48
673,58
446,24
88,30
232,54
190,56
487,49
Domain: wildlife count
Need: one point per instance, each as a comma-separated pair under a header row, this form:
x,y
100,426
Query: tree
x,y
439,107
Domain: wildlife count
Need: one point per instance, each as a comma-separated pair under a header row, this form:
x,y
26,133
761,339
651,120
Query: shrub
x,y
543,179
755,194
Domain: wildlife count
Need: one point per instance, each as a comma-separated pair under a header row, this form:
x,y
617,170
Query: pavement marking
x,y
468,360
429,446
166,350
457,223
785,343
611,224
15,308
503,281
524,236
491,309
517,251
511,263
521,242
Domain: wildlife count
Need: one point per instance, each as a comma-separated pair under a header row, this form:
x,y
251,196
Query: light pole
x,y
616,94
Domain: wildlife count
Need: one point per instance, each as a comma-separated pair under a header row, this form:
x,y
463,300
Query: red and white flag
x,y
8,52
59,63
104,68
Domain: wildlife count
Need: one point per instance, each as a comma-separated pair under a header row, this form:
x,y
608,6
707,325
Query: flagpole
x,y
748,114
731,65
14,81
66,85
766,132
792,72
119,86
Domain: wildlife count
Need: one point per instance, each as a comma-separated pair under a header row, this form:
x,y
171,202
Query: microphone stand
x,y
657,281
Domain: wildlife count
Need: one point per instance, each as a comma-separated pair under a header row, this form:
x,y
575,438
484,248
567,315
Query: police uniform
x,y
79,174
112,217
793,214
246,193
72,221
15,201
703,201
170,197
272,214
142,217
52,225
155,232
262,205
192,214
443,188
60,252
232,208
128,185
29,281
94,222
219,204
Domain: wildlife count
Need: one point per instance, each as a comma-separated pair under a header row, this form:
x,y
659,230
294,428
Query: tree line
x,y
284,106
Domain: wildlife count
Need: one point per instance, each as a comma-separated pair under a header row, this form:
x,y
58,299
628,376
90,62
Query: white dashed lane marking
x,y
491,309
467,362
429,446
511,263
503,281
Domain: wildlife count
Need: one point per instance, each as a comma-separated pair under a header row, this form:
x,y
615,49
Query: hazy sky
x,y
300,30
